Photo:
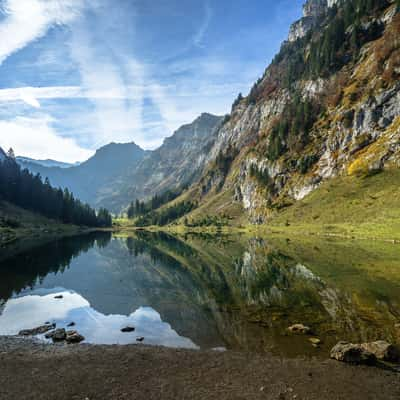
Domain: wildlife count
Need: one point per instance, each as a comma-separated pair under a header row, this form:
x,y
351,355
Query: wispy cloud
x,y
27,20
199,36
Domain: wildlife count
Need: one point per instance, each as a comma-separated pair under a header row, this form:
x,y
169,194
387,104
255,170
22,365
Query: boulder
x,y
57,335
352,353
300,329
74,337
382,350
36,331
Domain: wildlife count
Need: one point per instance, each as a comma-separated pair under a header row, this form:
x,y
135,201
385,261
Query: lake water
x,y
206,292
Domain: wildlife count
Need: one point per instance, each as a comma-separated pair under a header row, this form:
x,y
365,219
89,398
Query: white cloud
x,y
27,20
35,137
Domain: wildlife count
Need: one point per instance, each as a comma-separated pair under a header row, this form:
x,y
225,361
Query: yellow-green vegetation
x,y
351,206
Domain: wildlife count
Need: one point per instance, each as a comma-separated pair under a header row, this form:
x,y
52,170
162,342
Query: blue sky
x,y
78,74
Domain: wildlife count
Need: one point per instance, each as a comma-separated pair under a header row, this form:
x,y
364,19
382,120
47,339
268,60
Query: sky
x,y
78,74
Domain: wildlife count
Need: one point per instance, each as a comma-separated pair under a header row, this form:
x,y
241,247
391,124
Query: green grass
x,y
360,207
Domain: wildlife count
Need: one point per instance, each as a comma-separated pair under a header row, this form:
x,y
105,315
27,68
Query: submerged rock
x,y
128,329
383,350
352,354
36,331
299,328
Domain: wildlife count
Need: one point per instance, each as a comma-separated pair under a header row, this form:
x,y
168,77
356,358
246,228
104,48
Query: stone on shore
x,y
36,331
58,335
300,329
74,337
352,353
382,350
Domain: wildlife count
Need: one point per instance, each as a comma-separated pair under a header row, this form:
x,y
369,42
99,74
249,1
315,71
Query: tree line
x,y
167,215
22,188
139,208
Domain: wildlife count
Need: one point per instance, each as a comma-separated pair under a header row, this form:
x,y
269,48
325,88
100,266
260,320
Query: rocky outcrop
x,y
312,10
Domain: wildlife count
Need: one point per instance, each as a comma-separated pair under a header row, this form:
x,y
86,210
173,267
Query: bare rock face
x,y
352,354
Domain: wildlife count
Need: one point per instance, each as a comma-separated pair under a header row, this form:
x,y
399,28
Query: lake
x,y
206,291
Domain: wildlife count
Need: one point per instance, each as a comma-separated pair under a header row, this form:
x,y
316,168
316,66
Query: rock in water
x,y
299,328
128,329
382,350
36,331
60,296
74,337
140,339
352,353
71,324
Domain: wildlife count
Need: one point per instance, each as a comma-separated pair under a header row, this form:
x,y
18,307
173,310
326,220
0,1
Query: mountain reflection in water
x,y
234,292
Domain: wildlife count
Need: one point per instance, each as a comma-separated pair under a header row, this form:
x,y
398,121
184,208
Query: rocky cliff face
x,y
178,162
313,10
353,126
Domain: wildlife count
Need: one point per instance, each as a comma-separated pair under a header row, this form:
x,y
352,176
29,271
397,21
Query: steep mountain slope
x,y
178,162
327,106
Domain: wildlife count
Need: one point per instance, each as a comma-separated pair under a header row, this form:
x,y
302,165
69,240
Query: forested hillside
x,y
22,188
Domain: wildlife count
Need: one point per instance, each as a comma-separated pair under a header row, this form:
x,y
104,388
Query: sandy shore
x,y
31,370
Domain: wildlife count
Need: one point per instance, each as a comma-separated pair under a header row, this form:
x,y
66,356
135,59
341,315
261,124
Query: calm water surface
x,y
208,292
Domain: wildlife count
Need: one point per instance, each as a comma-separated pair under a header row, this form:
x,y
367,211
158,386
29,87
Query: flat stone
x,y
36,331
128,329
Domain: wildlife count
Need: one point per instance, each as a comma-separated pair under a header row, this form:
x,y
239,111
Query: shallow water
x,y
208,292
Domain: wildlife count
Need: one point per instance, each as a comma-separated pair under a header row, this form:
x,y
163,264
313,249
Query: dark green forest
x,y
22,188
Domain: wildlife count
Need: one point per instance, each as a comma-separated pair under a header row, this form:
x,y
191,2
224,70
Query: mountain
x,y
120,173
95,178
25,161
178,162
3,154
327,107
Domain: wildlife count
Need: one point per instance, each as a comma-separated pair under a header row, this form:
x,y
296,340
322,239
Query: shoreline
x,y
34,370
